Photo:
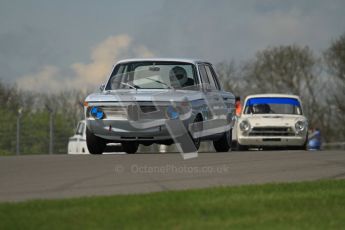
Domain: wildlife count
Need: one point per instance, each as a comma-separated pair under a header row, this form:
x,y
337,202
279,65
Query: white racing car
x,y
270,121
77,143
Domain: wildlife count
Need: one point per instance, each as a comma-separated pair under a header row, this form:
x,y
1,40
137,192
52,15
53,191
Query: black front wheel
x,y
96,145
198,126
224,143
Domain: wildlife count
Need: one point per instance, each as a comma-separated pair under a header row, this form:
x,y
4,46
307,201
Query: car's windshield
x,y
272,106
153,75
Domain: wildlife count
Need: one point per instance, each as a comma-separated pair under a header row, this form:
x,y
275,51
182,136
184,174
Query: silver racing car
x,y
161,101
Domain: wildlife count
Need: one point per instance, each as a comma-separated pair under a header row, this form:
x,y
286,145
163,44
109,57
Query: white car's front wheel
x,y
239,147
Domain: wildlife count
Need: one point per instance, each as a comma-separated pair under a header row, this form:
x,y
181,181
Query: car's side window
x,y
215,77
211,77
203,74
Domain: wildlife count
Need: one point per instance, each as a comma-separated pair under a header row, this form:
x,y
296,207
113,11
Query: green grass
x,y
307,205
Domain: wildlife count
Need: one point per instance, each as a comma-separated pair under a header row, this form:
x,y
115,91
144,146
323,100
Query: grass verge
x,y
305,205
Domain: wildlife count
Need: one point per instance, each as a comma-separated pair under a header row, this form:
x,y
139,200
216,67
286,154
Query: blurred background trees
x,y
34,113
334,58
318,79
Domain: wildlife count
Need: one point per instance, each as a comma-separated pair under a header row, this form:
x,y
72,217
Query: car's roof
x,y
187,60
273,95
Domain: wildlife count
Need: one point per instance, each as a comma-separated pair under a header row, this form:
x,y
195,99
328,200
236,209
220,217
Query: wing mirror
x,y
102,87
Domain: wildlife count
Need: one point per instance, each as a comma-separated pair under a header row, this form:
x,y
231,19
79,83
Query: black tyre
x,y
130,147
197,141
224,143
305,145
96,145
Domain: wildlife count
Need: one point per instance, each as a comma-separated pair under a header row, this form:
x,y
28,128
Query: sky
x,y
48,46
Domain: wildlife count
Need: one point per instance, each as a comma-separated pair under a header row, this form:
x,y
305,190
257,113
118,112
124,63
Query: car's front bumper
x,y
125,130
272,140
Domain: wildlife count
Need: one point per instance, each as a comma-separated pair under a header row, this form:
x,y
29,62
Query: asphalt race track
x,y
60,176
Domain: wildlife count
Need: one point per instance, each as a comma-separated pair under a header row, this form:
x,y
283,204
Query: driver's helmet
x,y
261,108
178,75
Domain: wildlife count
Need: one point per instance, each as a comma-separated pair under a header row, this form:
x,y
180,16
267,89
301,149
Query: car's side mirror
x,y
102,87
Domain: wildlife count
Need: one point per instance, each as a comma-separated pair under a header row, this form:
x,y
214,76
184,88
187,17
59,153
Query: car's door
x,y
215,97
225,95
206,88
228,98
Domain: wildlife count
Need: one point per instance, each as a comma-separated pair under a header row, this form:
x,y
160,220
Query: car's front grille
x,y
115,112
272,131
131,111
148,108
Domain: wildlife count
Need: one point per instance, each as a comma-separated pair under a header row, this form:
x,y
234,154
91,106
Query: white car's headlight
x,y
245,126
300,126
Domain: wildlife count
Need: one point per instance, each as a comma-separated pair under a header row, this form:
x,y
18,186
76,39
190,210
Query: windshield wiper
x,y
129,85
158,81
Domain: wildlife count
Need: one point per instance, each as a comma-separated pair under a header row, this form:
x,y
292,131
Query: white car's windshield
x,y
272,106
153,75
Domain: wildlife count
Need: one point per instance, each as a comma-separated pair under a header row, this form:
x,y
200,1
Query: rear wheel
x,y
224,143
130,147
96,145
196,142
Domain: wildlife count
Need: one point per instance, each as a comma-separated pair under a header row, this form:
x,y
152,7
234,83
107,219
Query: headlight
x,y
97,113
300,126
245,125
172,113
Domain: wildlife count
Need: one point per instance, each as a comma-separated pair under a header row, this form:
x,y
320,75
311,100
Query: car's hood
x,y
145,95
272,119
